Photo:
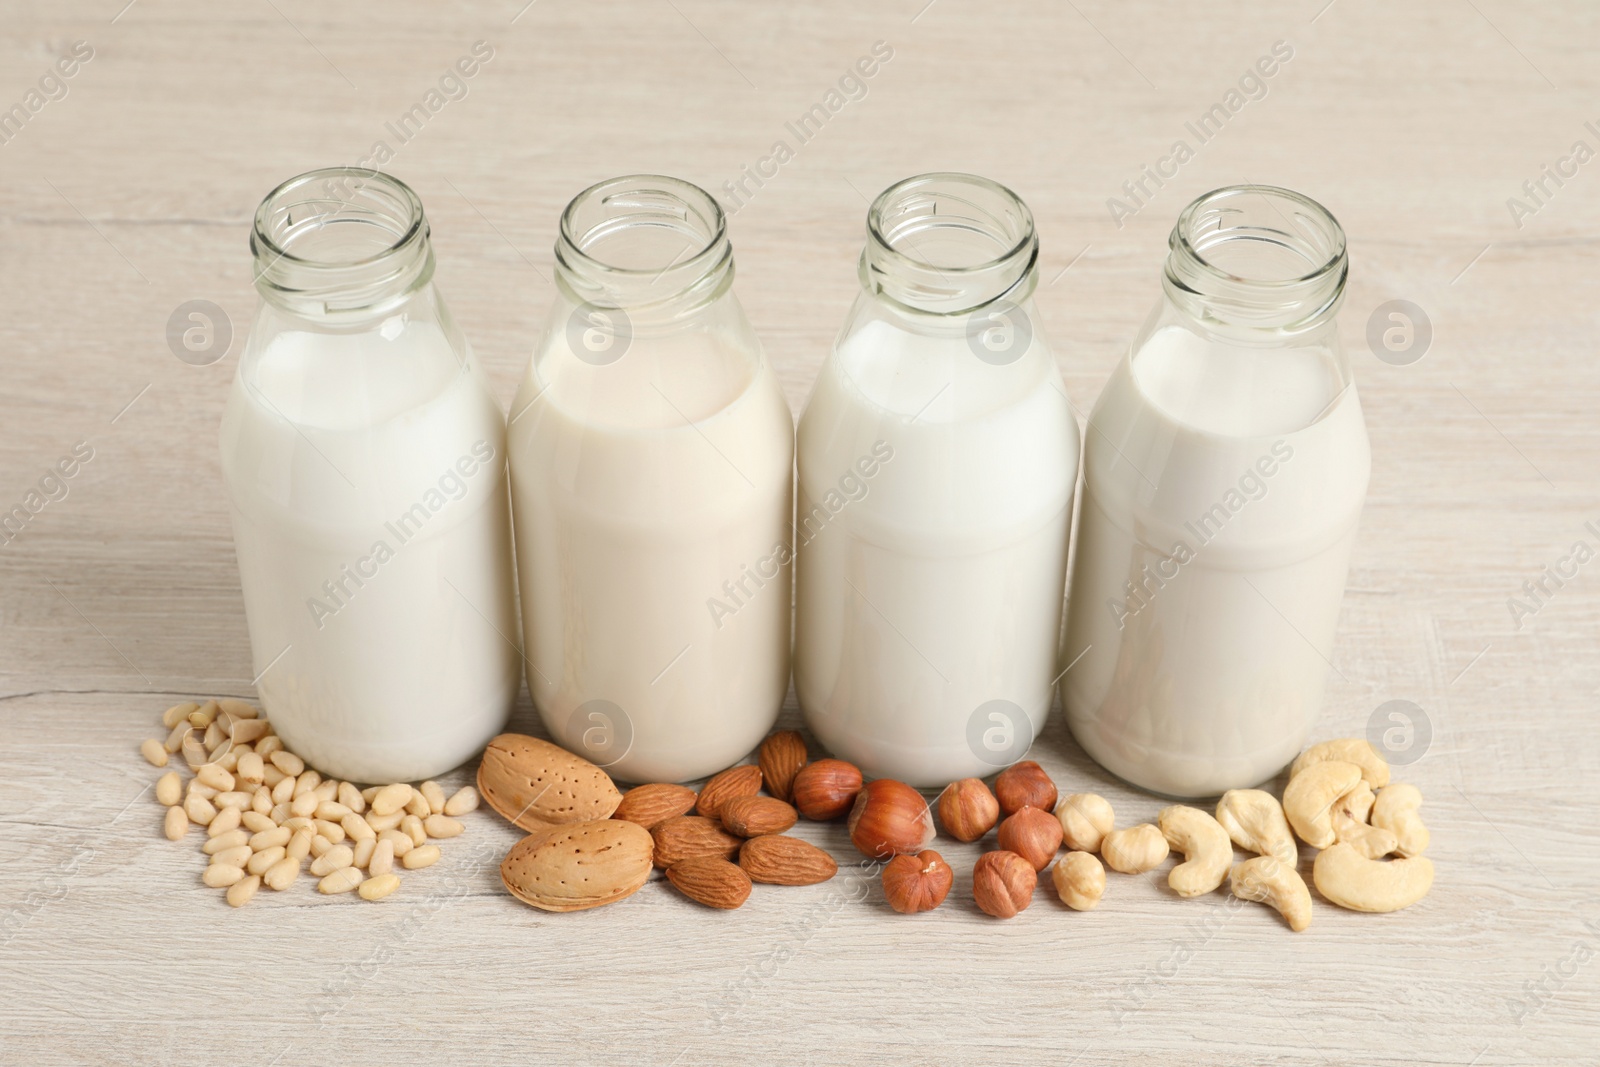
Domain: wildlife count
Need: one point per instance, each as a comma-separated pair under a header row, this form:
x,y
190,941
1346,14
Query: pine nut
x,y
321,845
248,731
399,841
412,827
382,857
271,776
239,893
391,798
418,858
279,813
154,753
299,846
261,800
205,714
262,861
178,713
278,835
227,819
268,745
235,799
194,751
357,827
281,875
297,823
340,881
307,781
418,805
219,876
228,760
369,792
200,810
288,762
442,826
379,887
214,737
333,831
169,788
197,790
215,777
351,798
283,792
362,852
332,810
257,822
336,858
464,800
239,709
231,839
304,805
175,824
251,769
328,790
175,738
434,795
380,823
237,856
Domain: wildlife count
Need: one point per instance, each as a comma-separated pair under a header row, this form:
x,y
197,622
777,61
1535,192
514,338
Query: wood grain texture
x,y
1413,123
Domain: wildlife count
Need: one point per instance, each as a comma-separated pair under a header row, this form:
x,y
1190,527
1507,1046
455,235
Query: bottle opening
x,y
644,239
340,239
948,243
1258,256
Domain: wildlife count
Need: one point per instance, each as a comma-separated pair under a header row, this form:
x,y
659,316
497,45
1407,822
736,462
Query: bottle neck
x,y
341,246
1256,264
646,250
949,244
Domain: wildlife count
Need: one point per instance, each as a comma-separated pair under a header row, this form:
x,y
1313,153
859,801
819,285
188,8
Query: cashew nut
x,y
1134,850
1396,810
1309,797
1350,880
1350,824
1268,881
1207,850
1254,819
1086,818
1357,750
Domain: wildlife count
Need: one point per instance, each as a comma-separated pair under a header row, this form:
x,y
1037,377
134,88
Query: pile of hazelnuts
x,y
889,820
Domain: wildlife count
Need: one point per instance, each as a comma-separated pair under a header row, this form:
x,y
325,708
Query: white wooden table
x,y
1414,123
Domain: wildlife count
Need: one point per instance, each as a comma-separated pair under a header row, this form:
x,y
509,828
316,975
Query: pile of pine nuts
x,y
265,814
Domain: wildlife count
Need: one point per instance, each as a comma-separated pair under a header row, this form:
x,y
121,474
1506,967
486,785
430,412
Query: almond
x,y
781,757
756,816
780,860
690,836
710,880
571,868
539,786
741,781
649,805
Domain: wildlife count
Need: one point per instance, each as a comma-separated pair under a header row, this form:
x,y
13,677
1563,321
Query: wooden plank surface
x,y
131,193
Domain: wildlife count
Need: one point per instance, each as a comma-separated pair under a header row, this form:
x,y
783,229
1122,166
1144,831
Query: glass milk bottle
x,y
365,458
1225,468
937,456
652,458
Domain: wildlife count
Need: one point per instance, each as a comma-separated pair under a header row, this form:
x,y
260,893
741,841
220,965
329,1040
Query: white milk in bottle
x,y
937,459
651,458
1225,467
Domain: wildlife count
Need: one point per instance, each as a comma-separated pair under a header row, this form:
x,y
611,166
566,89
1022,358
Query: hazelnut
x,y
967,809
1134,850
1002,883
916,883
890,817
825,789
781,756
1025,783
1086,819
1032,834
1079,880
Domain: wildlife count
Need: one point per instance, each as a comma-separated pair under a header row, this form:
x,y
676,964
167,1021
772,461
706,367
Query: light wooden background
x,y
1413,122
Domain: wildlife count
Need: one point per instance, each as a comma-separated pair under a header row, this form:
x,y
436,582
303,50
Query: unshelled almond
x,y
777,859
757,816
689,836
781,756
741,781
582,866
826,789
650,805
538,786
710,880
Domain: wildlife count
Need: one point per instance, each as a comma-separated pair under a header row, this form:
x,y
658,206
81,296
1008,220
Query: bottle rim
x,y
893,267
1204,208
693,201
